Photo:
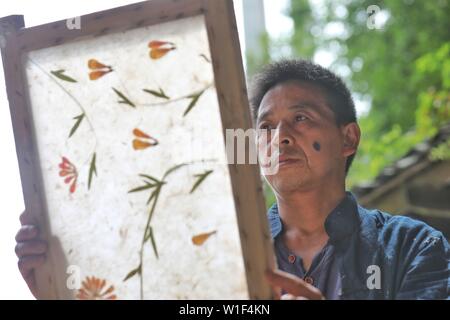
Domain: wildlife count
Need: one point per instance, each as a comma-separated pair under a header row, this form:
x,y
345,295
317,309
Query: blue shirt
x,y
374,255
323,272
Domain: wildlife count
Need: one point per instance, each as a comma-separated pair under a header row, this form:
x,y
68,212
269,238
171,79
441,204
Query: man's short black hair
x,y
338,96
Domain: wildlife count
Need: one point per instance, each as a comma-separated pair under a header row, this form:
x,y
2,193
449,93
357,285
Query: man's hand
x,y
30,250
296,288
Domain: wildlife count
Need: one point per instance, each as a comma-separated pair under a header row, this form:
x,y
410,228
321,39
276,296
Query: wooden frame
x,y
230,83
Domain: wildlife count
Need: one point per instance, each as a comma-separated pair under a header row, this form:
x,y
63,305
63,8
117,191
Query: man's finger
x,y
293,285
27,248
27,232
27,218
29,263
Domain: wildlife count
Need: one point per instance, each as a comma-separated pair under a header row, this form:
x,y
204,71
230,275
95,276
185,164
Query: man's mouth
x,y
280,161
284,161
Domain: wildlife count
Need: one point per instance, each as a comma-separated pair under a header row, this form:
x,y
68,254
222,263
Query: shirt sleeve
x,y
427,272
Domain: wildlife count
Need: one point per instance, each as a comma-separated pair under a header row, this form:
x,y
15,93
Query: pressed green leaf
x,y
152,238
194,99
153,195
200,179
147,234
141,188
205,57
60,75
77,123
133,272
149,177
152,209
159,94
124,100
174,168
92,170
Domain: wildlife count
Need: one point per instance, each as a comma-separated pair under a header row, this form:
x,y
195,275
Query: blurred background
x,y
393,54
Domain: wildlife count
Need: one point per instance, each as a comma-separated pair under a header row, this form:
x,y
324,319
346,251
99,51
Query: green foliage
x,y
256,60
441,152
306,25
269,195
432,110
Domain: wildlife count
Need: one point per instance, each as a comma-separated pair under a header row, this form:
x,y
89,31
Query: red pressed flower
x,y
94,289
159,49
98,69
70,173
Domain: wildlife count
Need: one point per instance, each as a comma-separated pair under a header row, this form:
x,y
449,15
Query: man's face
x,y
312,147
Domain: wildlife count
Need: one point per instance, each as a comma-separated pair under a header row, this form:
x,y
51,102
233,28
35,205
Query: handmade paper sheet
x,y
131,148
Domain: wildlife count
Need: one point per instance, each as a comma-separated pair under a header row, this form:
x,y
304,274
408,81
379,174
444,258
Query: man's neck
x,y
304,213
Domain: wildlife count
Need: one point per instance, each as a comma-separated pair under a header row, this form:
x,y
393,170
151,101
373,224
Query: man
x,y
326,245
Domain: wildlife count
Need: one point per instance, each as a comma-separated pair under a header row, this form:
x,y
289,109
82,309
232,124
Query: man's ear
x,y
351,134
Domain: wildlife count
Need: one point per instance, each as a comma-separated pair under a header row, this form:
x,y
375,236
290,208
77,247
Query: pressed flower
x,y
99,69
68,179
93,288
139,145
95,64
94,75
160,48
143,140
140,134
199,239
69,172
159,53
156,44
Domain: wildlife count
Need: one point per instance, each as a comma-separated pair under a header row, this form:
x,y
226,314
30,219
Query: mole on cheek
x,y
316,146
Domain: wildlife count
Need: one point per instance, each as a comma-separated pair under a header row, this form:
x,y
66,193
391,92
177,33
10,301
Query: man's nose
x,y
283,135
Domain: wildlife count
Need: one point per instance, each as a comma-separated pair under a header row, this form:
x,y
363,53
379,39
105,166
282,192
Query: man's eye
x,y
265,126
300,117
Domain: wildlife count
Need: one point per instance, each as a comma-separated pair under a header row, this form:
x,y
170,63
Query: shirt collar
x,y
341,221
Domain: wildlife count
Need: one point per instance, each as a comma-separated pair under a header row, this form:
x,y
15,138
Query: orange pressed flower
x,y
156,44
140,144
159,53
95,64
98,69
94,289
159,49
140,134
69,171
94,75
199,239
